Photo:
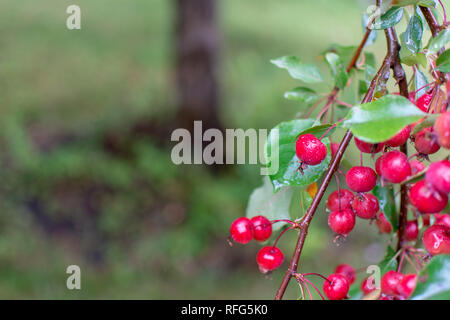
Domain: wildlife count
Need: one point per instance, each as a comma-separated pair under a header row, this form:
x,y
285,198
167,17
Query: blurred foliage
x,y
86,180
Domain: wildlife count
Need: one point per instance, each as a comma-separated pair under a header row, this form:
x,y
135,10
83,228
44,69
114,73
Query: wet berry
x,y
339,200
262,228
395,167
438,176
310,150
442,218
342,222
347,271
400,138
336,287
384,226
426,142
416,166
241,230
390,282
366,206
436,239
411,230
442,129
368,147
269,258
426,199
361,179
367,286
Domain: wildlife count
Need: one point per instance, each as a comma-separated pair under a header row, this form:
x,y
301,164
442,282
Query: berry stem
x,y
320,294
316,274
280,235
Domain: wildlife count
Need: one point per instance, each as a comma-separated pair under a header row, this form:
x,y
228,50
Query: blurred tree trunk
x,y
196,63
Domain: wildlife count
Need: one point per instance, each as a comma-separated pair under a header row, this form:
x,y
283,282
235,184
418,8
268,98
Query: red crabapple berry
x,y
424,101
426,199
269,258
436,239
411,230
310,150
400,138
442,129
368,147
442,218
347,271
384,226
341,199
367,286
366,207
416,166
336,287
342,222
438,176
361,179
241,230
426,142
395,167
262,228
390,282
426,220
407,285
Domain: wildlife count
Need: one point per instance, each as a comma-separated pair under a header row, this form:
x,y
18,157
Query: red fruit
x,y
334,148
378,164
241,230
347,271
361,179
342,222
310,150
269,258
411,231
344,196
426,199
384,226
424,101
400,138
390,281
368,147
262,228
385,297
395,166
416,166
442,129
407,285
366,207
436,239
336,287
367,286
438,176
442,218
426,142
426,220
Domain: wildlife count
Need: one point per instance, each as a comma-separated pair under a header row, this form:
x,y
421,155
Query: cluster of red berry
x,y
428,197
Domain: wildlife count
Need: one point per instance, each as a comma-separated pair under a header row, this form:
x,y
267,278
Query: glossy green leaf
x,y
420,80
318,131
443,62
302,94
437,284
338,71
389,19
405,2
413,34
380,120
386,199
409,58
288,173
438,42
345,52
428,3
305,72
263,201
389,262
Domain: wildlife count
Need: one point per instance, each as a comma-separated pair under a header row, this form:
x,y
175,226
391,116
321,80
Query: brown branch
x,y
328,176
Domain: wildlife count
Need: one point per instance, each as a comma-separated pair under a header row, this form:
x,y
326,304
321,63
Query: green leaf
x,y
389,262
405,2
413,34
437,284
428,3
305,72
386,199
426,123
338,71
288,173
420,80
443,62
263,201
389,19
318,131
302,94
380,120
438,42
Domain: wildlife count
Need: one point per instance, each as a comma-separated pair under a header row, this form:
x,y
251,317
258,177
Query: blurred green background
x,y
86,180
